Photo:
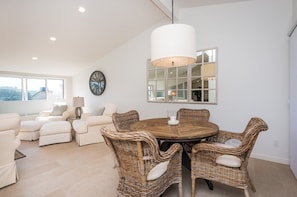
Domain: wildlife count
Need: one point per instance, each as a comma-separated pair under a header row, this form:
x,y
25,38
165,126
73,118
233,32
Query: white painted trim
x,y
166,8
162,7
270,158
292,30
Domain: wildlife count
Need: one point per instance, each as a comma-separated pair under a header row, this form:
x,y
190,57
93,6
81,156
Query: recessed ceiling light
x,y
53,38
81,9
34,58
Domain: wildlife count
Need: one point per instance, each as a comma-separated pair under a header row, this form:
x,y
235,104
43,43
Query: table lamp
x,y
78,103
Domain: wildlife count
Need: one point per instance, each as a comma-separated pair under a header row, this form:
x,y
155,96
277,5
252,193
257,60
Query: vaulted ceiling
x,y
81,38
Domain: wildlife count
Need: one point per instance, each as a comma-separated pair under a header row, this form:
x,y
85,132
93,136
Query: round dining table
x,y
184,131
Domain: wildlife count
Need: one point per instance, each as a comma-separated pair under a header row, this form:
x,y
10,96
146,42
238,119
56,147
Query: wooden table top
x,y
186,130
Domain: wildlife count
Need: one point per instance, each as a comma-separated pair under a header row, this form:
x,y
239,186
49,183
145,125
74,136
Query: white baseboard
x,y
271,158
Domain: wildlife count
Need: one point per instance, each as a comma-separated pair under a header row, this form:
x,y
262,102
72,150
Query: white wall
x,y
294,12
252,71
293,102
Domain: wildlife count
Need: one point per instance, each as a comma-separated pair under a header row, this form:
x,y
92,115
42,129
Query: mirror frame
x,y
195,84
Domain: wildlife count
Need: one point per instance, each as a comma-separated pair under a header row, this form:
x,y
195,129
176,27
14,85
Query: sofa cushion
x,y
55,127
109,109
31,125
58,110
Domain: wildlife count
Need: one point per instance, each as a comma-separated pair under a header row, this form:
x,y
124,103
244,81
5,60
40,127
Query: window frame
x,y
24,86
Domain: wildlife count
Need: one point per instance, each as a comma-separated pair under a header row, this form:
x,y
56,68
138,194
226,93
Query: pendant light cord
x,y
172,15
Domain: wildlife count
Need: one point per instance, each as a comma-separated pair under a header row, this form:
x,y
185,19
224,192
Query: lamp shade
x,y
78,102
173,45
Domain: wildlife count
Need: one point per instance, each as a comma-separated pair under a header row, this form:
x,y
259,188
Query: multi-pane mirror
x,y
195,83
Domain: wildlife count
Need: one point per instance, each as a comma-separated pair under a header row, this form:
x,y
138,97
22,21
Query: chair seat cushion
x,y
157,171
233,142
229,160
222,145
56,127
31,125
49,118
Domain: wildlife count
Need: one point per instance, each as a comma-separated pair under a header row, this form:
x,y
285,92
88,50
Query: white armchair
x,y
87,129
57,113
9,128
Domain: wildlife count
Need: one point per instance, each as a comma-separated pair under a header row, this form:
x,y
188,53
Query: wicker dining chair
x,y
143,170
227,163
122,121
194,114
190,114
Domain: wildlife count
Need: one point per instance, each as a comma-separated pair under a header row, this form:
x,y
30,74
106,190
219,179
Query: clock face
x,y
97,82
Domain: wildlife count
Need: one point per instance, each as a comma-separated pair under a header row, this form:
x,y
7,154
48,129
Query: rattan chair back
x,y
195,114
122,121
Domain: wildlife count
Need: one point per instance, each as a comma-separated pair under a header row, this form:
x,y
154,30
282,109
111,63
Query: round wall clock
x,y
97,82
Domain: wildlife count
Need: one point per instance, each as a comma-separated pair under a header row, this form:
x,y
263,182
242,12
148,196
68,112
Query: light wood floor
x,y
68,170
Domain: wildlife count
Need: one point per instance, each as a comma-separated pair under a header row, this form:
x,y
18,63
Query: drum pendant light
x,y
173,45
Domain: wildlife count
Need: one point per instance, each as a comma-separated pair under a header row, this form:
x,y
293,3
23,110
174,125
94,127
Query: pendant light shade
x,y
173,45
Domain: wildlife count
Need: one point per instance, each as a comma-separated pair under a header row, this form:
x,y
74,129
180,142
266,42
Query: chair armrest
x,y
84,116
98,120
45,113
68,114
174,149
17,143
223,136
80,126
215,149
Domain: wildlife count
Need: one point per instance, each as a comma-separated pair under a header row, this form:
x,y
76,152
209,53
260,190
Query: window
x,y
10,89
55,88
36,89
195,83
24,89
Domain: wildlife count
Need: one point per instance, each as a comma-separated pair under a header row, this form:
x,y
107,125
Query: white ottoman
x,y
29,130
55,132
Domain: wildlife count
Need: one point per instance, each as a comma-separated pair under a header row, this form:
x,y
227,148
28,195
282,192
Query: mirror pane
x,y
196,95
171,72
160,74
182,83
151,74
196,82
196,70
160,85
183,71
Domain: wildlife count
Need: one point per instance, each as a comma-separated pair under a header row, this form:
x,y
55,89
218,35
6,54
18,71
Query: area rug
x,y
18,155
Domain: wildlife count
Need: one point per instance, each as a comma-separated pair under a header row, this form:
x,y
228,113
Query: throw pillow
x,y
58,110
109,109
